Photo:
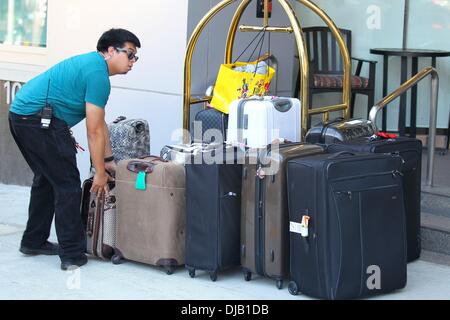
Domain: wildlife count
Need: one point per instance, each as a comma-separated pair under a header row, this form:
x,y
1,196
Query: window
x,y
23,22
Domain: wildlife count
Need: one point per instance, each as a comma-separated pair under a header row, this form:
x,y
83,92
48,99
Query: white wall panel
x,y
75,26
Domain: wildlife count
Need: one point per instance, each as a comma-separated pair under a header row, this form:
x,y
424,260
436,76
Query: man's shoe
x,y
77,262
48,248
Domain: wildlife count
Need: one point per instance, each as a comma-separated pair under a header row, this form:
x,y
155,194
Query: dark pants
x,y
51,155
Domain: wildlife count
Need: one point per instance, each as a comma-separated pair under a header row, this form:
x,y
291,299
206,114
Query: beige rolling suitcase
x,y
150,212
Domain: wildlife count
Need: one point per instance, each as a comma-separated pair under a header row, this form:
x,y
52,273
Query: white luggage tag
x,y
301,228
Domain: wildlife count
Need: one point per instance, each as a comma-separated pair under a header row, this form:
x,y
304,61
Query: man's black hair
x,y
116,38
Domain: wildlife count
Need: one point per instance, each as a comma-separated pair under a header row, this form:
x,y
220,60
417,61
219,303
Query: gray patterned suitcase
x,y
130,138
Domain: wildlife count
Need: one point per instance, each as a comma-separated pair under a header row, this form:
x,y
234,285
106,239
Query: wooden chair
x,y
326,67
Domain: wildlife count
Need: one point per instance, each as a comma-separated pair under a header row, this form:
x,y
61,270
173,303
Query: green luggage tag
x,y
140,181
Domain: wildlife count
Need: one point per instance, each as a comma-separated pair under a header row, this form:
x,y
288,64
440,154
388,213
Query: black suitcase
x,y
209,119
347,225
411,151
213,212
339,130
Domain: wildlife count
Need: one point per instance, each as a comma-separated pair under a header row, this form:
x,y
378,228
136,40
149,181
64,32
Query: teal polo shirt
x,y
70,83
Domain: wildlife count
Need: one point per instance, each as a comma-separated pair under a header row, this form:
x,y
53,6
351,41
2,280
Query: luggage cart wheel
x,y
247,275
293,289
169,270
117,259
192,273
213,276
279,284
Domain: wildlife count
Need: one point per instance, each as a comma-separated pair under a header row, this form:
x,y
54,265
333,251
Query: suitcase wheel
x,y
279,284
293,289
247,275
213,276
169,270
192,273
117,259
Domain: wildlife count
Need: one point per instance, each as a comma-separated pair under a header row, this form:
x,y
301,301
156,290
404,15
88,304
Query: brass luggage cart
x,y
296,30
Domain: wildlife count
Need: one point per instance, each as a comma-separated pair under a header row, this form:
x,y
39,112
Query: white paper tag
x,y
295,227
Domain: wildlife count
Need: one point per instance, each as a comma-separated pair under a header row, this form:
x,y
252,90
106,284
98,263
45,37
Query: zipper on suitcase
x,y
259,223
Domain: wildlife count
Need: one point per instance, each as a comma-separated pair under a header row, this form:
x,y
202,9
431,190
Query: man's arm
x,y
108,149
110,166
95,125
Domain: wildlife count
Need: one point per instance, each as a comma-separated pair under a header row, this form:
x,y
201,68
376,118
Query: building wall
x,y
153,89
379,24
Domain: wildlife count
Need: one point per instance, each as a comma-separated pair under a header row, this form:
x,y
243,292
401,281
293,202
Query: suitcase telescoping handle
x,y
99,219
90,223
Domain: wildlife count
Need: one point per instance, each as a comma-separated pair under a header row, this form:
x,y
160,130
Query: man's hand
x,y
100,184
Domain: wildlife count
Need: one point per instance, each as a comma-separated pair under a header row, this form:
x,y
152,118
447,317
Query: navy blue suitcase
x,y
347,225
411,151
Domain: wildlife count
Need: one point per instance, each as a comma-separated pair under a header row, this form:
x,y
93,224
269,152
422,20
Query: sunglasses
x,y
131,55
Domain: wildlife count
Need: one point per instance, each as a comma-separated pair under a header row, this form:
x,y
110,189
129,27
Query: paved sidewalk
x,y
40,277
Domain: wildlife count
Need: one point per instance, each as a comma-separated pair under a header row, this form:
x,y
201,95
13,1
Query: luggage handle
x,y
144,166
140,166
325,127
338,154
120,118
282,105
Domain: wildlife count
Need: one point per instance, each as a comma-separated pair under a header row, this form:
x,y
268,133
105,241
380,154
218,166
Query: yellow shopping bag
x,y
232,84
